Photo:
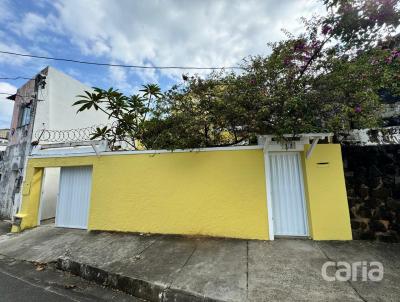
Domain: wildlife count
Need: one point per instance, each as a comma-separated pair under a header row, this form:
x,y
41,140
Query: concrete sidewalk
x,y
171,268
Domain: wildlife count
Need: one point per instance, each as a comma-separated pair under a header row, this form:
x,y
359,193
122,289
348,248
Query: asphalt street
x,y
17,290
22,281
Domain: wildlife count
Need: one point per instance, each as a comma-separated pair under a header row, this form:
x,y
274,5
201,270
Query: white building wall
x,y
48,199
361,136
53,111
62,91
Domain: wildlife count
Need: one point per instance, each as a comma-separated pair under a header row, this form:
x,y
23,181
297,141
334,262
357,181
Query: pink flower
x,y
299,46
326,29
287,61
357,108
315,44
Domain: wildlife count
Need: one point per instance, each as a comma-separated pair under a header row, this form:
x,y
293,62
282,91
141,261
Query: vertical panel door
x,y
74,197
287,193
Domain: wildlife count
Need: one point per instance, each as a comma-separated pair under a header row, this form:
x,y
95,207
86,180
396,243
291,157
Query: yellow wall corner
x,y
326,193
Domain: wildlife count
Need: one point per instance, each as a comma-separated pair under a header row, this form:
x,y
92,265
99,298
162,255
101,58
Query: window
x,y
25,117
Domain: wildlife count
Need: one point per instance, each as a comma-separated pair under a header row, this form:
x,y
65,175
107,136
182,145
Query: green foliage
x,y
127,115
360,23
326,79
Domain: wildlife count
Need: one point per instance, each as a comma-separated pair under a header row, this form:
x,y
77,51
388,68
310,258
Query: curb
x,y
133,286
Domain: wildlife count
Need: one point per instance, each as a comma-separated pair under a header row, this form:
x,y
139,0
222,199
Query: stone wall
x,y
373,188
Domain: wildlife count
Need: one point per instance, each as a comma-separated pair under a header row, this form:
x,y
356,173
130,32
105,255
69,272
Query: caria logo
x,y
356,271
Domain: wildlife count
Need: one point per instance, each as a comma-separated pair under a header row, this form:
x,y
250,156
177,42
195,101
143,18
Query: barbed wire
x,y
66,135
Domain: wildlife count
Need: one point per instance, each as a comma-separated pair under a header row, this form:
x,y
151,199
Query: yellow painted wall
x,y
326,194
32,185
31,195
217,193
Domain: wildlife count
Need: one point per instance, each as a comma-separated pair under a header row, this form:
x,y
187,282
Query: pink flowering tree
x,y
326,79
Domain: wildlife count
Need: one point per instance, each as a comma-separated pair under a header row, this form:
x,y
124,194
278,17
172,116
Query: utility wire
x,y
16,78
116,65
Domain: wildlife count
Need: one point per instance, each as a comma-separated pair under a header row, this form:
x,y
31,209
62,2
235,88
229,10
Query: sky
x,y
207,33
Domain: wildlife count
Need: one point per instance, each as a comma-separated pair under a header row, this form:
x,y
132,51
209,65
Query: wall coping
x,y
67,153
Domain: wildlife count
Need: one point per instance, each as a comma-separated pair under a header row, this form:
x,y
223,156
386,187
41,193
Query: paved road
x,y
224,269
22,281
14,289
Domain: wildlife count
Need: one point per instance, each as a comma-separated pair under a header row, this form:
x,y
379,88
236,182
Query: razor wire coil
x,y
66,135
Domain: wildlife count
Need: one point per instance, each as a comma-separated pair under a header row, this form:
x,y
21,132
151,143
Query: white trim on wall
x,y
269,197
68,153
304,195
41,196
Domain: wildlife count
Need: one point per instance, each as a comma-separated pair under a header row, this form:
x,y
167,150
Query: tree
x,y
128,115
326,79
197,116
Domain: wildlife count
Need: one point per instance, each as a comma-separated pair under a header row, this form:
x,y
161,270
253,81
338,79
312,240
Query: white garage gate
x,y
74,197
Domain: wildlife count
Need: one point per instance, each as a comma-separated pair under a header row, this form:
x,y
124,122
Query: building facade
x,y
43,103
249,192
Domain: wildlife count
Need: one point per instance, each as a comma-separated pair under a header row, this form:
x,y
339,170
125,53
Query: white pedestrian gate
x,y
287,194
74,197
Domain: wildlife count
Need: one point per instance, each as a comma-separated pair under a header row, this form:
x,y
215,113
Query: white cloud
x,y
185,33
6,106
73,72
35,27
12,60
119,79
29,25
6,12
